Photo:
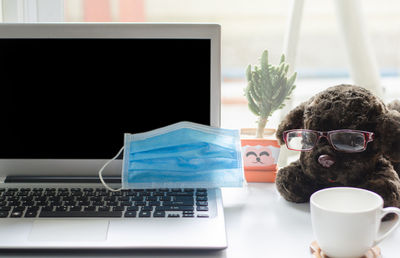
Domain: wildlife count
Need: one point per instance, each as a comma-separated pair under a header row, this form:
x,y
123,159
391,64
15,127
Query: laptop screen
x,y
75,98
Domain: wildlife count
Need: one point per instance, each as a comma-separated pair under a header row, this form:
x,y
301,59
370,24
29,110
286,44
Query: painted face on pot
x,y
259,156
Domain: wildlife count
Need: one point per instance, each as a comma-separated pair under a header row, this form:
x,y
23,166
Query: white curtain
x,y
32,10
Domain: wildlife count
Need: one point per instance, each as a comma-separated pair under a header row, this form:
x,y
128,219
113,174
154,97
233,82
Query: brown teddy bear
x,y
348,138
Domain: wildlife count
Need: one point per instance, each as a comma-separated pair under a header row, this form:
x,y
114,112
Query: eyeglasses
x,y
344,140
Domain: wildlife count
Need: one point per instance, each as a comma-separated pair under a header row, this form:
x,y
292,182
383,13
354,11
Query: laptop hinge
x,y
61,179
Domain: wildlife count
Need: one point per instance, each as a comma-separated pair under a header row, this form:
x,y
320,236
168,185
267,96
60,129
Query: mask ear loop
x,y
104,166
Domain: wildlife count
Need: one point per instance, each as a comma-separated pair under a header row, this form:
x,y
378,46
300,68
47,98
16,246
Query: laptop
x,y
69,92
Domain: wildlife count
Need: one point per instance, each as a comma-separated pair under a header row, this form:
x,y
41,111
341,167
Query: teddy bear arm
x,y
387,187
293,184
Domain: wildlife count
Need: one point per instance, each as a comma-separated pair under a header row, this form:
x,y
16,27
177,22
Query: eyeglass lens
x,y
348,141
342,141
301,140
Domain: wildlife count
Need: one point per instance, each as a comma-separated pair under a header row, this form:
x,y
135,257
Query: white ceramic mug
x,y
346,220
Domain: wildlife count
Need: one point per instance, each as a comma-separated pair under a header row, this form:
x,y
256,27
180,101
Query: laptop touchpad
x,y
69,230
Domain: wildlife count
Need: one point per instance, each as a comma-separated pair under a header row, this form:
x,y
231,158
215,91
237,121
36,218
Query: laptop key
x,y
28,203
186,194
201,198
111,204
47,208
86,203
201,193
3,214
16,214
90,208
173,215
159,214
151,198
178,208
182,198
75,208
9,193
202,208
130,214
140,203
61,208
144,194
146,208
18,208
118,208
166,198
202,203
14,203
5,208
104,208
75,214
30,214
33,208
126,203
160,194
137,199
179,203
154,203
145,214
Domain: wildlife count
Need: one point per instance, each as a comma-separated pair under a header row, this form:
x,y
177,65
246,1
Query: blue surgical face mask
x,y
182,155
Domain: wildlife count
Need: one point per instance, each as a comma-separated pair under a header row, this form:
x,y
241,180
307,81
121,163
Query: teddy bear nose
x,y
326,160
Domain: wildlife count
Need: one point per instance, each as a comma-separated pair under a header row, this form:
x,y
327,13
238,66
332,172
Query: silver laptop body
x,y
108,233
35,170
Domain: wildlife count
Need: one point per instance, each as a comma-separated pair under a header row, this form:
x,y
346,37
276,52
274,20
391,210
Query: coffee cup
x,y
346,221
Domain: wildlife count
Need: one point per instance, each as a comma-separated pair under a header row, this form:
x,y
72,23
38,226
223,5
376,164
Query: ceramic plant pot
x,y
260,158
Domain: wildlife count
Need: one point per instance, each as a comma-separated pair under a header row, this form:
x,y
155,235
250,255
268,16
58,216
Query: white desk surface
x,y
259,223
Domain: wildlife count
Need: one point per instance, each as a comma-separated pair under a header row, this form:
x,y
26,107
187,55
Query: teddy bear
x,y
347,137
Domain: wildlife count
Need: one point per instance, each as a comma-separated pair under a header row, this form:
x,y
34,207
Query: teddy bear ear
x,y
390,135
293,120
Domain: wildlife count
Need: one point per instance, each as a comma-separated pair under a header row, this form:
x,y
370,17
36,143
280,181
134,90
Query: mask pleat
x,y
196,149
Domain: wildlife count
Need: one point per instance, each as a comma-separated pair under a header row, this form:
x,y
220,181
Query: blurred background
x,y
249,27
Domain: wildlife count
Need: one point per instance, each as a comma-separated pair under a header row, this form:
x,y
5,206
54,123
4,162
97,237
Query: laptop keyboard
x,y
99,202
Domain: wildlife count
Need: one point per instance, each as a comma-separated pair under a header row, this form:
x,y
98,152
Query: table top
x,y
259,223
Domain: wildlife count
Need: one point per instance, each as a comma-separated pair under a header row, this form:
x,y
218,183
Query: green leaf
x,y
248,73
282,58
253,106
286,69
253,93
264,60
292,79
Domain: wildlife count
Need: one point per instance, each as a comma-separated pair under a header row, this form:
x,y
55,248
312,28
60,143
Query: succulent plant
x,y
268,86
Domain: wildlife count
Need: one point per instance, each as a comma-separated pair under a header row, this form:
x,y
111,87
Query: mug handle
x,y
393,225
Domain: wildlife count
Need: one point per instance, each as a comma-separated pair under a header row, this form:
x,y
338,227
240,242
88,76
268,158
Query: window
x,y
249,27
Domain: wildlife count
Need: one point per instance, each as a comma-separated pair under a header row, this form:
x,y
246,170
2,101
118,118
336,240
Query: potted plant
x,y
268,86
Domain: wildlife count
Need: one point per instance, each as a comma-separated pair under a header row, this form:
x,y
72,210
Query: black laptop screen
x,y
75,98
